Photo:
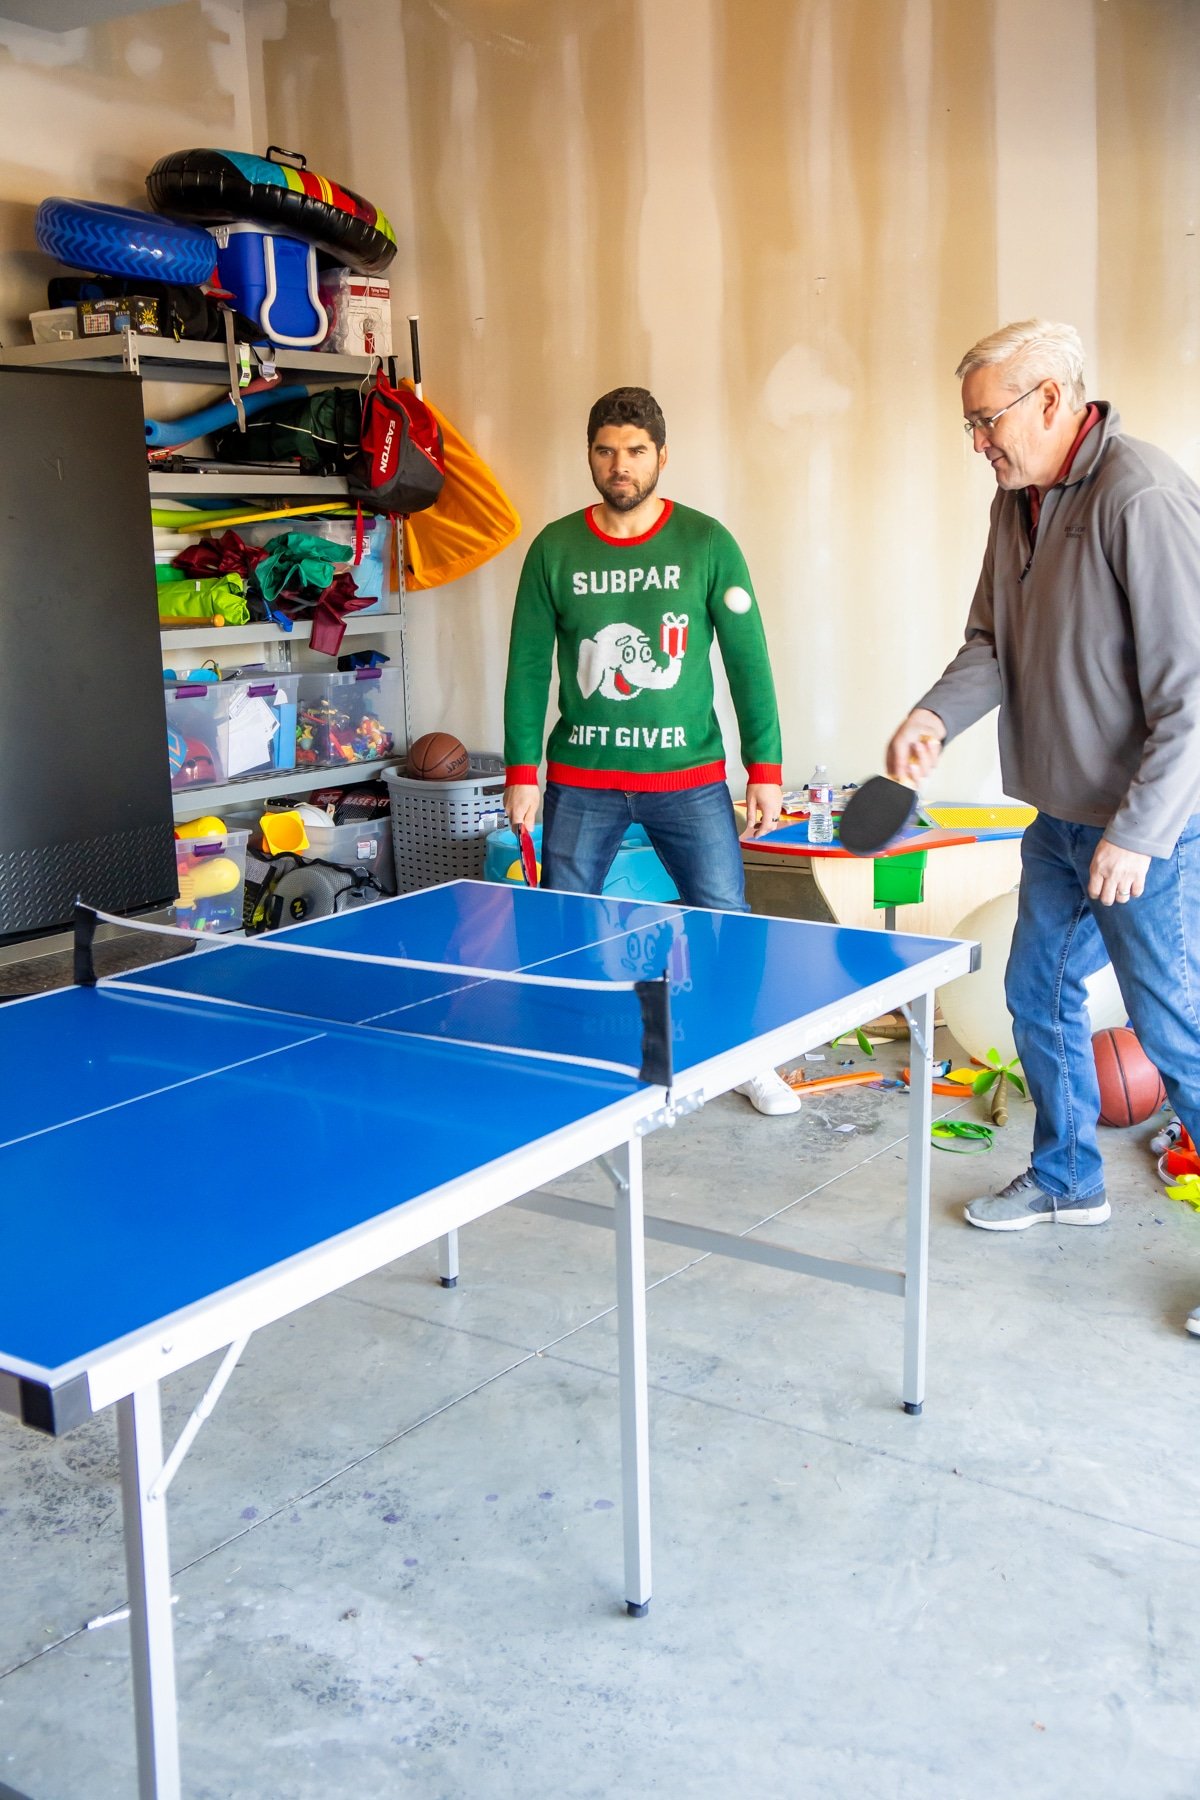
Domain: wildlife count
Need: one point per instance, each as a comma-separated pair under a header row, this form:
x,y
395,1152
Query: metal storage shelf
x,y
187,638
252,483
194,803
162,359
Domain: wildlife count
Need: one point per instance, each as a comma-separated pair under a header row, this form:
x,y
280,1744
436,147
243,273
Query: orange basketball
x,y
1131,1088
438,757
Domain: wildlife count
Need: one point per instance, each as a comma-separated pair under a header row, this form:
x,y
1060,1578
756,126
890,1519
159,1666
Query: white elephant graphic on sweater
x,y
620,660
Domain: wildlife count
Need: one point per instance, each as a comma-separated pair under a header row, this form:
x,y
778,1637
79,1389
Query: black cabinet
x,y
85,800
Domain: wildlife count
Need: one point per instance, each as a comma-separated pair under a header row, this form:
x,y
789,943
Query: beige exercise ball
x,y
974,1007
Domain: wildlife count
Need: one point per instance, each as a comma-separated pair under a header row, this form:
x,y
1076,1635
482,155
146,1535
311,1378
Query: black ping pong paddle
x,y
876,814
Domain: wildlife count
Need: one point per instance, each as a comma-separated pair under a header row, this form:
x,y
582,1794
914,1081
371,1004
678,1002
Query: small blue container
x,y
273,280
636,873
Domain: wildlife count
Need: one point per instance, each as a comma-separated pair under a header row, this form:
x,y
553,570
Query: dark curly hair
x,y
628,406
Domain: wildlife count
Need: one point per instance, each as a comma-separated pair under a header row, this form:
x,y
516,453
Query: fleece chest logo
x,y
619,661
1075,531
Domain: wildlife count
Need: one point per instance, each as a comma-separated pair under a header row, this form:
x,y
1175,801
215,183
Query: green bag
x,y
212,597
322,430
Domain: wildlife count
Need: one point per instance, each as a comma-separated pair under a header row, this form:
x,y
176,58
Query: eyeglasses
x,y
971,426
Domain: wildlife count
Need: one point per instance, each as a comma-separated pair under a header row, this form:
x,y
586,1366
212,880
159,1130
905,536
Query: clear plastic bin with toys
x,y
350,716
218,730
369,540
210,865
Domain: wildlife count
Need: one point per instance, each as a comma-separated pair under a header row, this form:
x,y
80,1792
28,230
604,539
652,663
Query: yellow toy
x,y
203,877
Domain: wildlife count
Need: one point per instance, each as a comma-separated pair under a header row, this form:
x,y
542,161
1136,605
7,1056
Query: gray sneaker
x,y
1024,1203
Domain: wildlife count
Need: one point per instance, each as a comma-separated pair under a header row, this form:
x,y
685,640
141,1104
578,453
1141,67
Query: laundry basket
x,y
439,828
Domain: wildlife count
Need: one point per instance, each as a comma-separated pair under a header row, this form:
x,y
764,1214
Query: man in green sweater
x,y
631,592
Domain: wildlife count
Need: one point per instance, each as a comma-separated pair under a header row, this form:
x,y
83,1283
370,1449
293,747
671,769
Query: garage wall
x,y
85,113
788,217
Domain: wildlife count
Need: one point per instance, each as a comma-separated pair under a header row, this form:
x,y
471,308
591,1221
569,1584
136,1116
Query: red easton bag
x,y
400,466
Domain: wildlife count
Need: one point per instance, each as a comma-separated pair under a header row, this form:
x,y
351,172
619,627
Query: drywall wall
x,y
86,112
788,217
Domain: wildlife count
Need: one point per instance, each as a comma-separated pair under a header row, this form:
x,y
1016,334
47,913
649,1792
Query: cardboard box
x,y
127,312
360,312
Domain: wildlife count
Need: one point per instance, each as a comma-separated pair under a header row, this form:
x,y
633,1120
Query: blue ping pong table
x,y
124,1261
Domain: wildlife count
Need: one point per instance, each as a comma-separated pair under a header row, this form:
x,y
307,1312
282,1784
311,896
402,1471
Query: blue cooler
x,y
636,873
273,280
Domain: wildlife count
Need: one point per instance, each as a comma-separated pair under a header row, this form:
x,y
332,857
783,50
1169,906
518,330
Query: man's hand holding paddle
x,y
914,750
880,810
521,805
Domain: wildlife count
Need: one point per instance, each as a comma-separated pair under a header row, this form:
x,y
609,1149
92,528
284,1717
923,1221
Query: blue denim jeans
x,y
693,831
1153,943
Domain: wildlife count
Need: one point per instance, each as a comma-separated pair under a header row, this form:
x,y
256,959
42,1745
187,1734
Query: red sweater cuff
x,y
521,775
769,772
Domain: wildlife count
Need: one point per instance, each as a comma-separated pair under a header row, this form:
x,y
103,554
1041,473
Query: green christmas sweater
x,y
633,620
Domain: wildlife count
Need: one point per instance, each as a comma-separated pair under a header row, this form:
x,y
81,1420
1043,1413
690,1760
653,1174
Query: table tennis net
x,y
618,1026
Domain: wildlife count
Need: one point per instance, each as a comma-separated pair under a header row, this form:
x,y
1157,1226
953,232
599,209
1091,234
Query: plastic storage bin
x,y
363,844
211,872
347,717
440,828
636,872
369,574
218,730
54,324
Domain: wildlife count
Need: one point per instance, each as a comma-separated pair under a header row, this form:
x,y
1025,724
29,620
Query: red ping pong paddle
x,y
529,866
876,814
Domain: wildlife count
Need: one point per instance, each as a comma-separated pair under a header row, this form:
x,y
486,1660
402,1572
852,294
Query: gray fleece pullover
x,y
1091,646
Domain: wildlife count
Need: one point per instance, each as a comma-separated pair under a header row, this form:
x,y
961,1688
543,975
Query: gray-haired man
x,y
1085,630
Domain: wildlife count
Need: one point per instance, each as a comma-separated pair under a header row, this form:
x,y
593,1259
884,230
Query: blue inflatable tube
x,y
120,240
164,434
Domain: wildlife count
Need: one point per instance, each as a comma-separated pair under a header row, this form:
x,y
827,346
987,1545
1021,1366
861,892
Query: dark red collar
x,y
1091,417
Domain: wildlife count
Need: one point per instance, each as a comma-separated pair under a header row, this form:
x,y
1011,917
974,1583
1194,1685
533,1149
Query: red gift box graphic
x,y
673,637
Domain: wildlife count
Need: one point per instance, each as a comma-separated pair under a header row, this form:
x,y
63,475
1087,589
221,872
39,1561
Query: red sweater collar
x,y
624,542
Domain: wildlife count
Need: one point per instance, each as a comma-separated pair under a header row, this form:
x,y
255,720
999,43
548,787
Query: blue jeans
x,y
693,831
1061,938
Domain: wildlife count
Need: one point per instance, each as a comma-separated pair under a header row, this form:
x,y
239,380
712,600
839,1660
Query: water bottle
x,y
820,806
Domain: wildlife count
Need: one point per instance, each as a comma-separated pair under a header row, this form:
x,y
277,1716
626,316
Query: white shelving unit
x,y
194,803
210,637
163,360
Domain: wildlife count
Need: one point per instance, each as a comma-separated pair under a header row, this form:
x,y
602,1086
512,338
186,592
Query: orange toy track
x,y
818,1084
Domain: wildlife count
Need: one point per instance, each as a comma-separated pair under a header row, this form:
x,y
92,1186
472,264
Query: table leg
x,y
626,1169
148,1570
448,1259
916,1259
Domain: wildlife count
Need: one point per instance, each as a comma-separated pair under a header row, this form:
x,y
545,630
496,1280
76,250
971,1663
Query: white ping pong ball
x,y
737,600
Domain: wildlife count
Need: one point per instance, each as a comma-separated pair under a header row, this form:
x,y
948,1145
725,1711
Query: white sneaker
x,y
1193,1322
770,1093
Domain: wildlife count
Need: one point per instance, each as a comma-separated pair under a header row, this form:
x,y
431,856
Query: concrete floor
x,y
398,1540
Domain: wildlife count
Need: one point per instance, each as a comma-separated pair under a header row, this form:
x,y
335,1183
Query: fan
x,y
309,891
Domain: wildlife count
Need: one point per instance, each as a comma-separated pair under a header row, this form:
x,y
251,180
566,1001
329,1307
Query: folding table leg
x,y
448,1259
916,1258
625,1166
148,1569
